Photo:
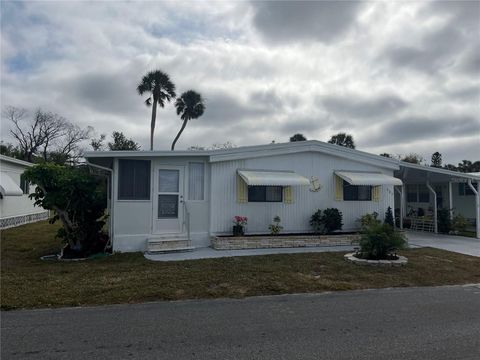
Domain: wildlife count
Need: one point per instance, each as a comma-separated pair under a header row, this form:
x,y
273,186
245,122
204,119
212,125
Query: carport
x,y
429,189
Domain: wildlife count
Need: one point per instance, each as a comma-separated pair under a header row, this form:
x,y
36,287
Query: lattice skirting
x,y
13,221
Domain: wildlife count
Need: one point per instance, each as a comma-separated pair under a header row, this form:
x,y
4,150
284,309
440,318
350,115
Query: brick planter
x,y
288,241
401,261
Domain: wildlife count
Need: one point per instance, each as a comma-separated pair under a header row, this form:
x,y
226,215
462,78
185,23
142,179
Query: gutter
x,y
110,208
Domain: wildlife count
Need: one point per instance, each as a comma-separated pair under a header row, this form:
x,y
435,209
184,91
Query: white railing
x,y
18,220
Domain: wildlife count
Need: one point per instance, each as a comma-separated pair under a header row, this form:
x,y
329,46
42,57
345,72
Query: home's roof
x,y
246,152
256,151
15,161
438,171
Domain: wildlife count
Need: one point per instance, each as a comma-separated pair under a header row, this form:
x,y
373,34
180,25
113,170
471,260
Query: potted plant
x,y
239,227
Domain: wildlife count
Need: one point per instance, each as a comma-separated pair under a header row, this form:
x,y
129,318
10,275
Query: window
x,y
265,194
356,192
24,185
134,180
423,194
411,193
196,180
465,190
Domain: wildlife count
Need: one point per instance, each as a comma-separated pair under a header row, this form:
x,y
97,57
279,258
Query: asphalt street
x,y
403,323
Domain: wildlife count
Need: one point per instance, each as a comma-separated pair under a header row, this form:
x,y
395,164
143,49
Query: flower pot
x,y
238,230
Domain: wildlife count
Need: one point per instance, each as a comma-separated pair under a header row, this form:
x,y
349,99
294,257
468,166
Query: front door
x,y
168,200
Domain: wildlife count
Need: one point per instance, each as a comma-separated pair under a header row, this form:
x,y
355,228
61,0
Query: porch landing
x,y
208,253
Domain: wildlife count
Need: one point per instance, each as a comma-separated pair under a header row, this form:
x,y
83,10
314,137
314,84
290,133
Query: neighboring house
x,y
189,196
15,206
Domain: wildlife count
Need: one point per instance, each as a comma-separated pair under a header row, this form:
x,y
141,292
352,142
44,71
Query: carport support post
x,y
450,200
400,192
434,207
477,205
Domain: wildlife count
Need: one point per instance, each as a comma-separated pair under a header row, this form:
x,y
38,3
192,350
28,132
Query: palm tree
x,y
161,90
189,106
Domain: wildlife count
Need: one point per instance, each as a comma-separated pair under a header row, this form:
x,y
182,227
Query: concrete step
x,y
168,244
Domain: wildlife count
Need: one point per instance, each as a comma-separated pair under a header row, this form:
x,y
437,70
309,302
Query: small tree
x,y
78,201
413,158
436,160
443,221
343,139
389,217
120,142
378,240
298,137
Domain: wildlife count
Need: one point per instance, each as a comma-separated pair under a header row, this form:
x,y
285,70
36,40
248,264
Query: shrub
x,y
275,228
379,240
459,223
443,221
368,219
332,218
389,217
316,222
78,200
328,222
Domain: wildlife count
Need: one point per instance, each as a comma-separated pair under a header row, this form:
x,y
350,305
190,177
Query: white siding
x,y
16,205
133,218
295,217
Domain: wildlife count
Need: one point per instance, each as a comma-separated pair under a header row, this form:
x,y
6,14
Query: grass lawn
x,y
28,282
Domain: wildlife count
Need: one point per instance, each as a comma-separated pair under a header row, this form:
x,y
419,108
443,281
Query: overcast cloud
x,y
400,76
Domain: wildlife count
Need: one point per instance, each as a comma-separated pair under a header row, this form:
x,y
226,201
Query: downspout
x,y
477,203
110,208
434,206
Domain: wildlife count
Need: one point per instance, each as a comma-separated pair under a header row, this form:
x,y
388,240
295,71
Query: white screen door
x,y
168,201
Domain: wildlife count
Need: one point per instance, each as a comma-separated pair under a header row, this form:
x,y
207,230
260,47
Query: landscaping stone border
x,y
282,241
401,261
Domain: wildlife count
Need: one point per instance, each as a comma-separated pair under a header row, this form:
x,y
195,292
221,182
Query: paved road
x,y
414,323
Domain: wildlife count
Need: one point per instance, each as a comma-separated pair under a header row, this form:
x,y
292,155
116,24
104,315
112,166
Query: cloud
x,y
355,106
397,75
294,21
410,129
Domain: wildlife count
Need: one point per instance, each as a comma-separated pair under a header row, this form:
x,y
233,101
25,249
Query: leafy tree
x,y
78,200
469,166
343,139
120,142
413,158
97,144
8,149
450,167
436,160
298,137
190,105
160,89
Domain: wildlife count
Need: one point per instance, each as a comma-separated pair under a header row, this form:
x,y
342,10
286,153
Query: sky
x,y
400,76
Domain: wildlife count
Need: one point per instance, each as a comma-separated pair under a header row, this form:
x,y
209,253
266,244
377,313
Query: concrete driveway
x,y
459,244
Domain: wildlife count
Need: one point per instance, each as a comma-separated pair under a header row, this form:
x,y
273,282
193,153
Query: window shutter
x,y
338,188
288,195
376,190
242,190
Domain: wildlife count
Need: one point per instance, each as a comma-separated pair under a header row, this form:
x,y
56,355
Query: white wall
x,y
133,219
16,205
295,217
463,204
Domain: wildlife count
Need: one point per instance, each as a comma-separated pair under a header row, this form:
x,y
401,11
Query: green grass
x,y
28,282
